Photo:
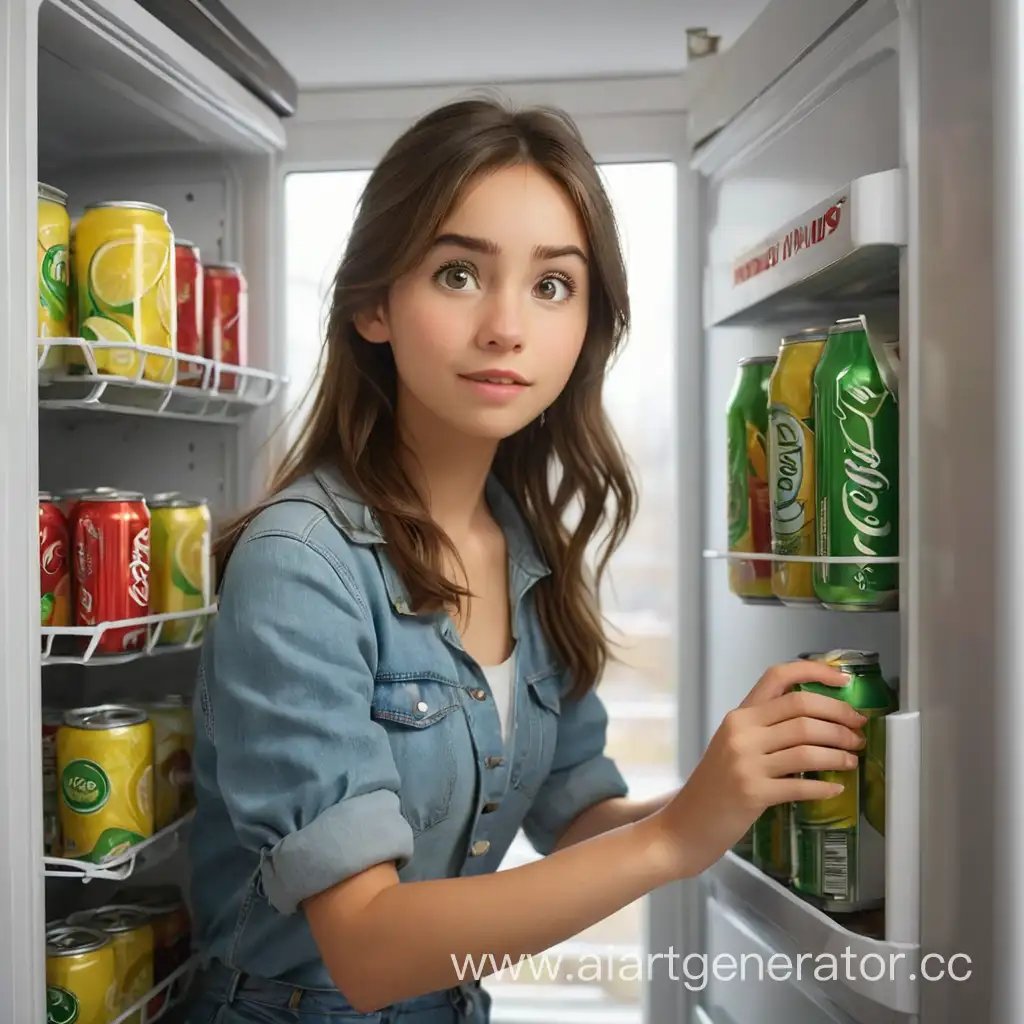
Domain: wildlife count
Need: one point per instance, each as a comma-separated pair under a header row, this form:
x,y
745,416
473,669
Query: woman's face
x,y
486,330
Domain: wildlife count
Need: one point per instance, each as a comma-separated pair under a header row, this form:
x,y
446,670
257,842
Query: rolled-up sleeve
x,y
581,774
307,776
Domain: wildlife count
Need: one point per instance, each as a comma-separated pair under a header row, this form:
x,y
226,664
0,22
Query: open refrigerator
x,y
886,105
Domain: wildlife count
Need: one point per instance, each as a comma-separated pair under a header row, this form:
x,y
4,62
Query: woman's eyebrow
x,y
489,248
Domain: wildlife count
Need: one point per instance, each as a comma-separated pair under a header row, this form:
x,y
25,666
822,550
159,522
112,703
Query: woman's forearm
x,y
610,814
412,938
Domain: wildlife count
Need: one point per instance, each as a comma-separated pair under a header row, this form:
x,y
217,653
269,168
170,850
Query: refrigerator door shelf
x,y
206,398
752,556
177,985
158,848
867,971
114,79
147,629
834,259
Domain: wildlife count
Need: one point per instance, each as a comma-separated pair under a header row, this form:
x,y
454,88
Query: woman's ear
x,y
372,324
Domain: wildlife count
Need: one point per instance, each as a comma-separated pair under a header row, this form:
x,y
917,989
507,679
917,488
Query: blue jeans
x,y
225,996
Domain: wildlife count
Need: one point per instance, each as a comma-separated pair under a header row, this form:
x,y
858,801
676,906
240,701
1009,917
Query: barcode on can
x,y
836,873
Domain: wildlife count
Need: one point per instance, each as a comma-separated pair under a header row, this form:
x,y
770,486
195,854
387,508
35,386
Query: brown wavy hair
x,y
567,463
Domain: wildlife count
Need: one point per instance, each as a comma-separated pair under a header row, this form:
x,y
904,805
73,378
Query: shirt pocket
x,y
421,720
543,709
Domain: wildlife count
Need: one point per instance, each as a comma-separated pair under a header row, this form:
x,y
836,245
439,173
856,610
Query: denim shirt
x,y
336,729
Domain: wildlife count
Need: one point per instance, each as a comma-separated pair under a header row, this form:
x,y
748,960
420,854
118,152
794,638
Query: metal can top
x,y
843,659
104,716
127,205
154,899
169,700
185,243
807,334
113,920
110,494
172,499
754,360
45,496
237,267
846,325
54,195
74,940
81,492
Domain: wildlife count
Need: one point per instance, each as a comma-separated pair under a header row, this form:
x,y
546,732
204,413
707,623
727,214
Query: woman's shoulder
x,y
305,525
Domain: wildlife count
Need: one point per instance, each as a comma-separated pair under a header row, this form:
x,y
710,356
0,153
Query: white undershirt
x,y
501,679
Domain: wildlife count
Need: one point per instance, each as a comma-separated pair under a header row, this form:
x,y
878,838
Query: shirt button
x,y
479,694
489,808
421,706
494,762
480,847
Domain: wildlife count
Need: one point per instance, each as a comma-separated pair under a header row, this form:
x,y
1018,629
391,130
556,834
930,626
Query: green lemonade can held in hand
x,y
857,471
840,842
748,499
773,838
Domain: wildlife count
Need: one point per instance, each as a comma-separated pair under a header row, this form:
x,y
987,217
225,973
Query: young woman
x,y
402,671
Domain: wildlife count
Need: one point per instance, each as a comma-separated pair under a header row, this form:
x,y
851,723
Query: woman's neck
x,y
449,470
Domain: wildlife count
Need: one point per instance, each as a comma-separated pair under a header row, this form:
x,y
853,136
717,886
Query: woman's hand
x,y
751,762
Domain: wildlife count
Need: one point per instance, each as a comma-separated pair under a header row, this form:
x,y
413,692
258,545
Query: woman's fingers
x,y
780,679
803,704
803,731
808,758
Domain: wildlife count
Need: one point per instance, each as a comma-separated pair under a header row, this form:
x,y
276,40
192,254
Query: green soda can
x,y
857,471
773,837
745,845
840,842
748,500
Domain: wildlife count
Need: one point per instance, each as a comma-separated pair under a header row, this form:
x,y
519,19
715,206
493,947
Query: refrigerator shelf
x,y
751,556
149,625
154,850
113,79
803,928
828,262
204,399
176,985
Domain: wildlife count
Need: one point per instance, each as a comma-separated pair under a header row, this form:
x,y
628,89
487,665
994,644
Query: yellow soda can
x,y
124,273
179,578
173,743
81,976
130,930
791,492
53,239
105,763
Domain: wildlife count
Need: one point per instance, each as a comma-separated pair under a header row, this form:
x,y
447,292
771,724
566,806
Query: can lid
x,y
111,919
105,716
173,499
846,325
55,195
807,334
45,496
156,899
169,700
126,205
81,492
111,494
73,940
754,360
844,658
185,243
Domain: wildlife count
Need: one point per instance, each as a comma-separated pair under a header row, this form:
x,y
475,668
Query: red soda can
x,y
112,567
226,318
189,277
54,564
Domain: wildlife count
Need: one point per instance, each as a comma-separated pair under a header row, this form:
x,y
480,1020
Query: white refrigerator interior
x,y
873,117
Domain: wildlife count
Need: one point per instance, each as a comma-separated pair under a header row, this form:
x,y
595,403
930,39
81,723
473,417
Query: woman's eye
x,y
457,279
555,289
